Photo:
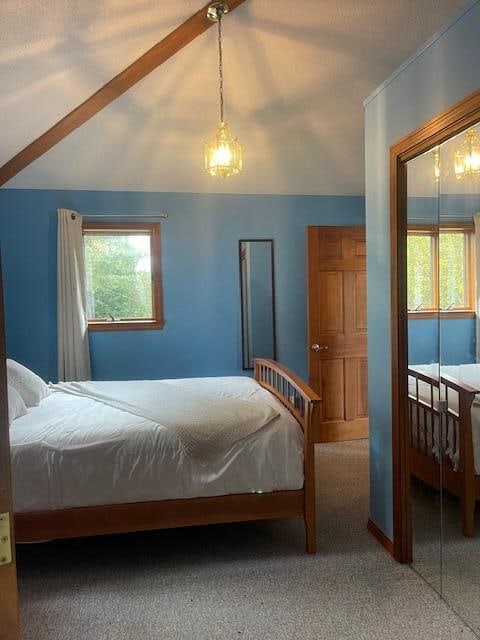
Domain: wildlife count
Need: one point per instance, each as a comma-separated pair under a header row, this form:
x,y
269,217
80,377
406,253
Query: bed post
x,y
304,404
467,467
309,485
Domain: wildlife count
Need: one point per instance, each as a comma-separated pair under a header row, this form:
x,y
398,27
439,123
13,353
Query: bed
x,y
83,468
444,432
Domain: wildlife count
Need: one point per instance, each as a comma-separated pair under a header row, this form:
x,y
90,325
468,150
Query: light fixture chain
x,y
220,64
223,155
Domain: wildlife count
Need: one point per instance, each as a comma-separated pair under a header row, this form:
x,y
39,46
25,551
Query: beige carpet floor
x,y
442,555
250,581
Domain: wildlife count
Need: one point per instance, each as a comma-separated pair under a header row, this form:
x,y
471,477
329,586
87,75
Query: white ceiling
x,y
296,74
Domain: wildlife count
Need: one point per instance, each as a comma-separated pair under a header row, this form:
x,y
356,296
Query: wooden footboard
x,y
302,402
305,405
443,405
293,393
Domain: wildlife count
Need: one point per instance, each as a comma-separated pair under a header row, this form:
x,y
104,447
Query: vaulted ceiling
x,y
296,74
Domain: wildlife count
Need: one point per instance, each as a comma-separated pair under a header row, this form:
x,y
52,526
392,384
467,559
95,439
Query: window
x,y
440,269
421,250
123,276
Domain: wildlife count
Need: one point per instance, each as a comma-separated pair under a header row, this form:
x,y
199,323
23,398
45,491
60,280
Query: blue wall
x,y
202,335
438,77
455,340
447,206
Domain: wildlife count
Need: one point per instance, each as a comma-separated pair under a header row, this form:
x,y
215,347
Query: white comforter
x,y
74,451
205,423
468,374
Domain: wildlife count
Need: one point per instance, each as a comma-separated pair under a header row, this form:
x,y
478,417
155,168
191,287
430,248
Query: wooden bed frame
x,y
302,402
461,482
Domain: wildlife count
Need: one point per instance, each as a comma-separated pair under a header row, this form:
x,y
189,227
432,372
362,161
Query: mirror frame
x,y
274,320
447,124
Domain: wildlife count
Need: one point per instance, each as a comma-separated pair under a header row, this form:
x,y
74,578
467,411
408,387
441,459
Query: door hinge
x,y
5,539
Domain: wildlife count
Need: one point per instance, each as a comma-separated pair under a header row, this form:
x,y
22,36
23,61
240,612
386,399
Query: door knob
x,y
317,347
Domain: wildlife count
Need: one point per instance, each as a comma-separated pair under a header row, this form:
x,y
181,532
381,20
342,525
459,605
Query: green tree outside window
x,y
451,269
420,272
118,276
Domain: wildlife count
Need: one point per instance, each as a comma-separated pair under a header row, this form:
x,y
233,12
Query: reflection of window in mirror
x,y
441,269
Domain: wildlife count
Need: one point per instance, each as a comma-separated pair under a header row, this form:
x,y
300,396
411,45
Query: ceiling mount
x,y
217,10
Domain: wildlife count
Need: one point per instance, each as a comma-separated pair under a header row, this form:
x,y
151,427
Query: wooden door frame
x,y
450,122
8,572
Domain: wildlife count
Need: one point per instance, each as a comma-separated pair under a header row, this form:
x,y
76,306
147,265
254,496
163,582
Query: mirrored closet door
x,y
459,206
443,277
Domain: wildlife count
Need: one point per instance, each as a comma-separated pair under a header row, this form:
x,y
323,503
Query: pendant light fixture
x,y
223,156
467,158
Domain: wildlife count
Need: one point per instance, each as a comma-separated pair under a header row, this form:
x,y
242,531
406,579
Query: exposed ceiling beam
x,y
125,80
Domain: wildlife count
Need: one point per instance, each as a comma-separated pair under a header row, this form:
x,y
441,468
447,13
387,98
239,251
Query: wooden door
x,y
9,623
337,330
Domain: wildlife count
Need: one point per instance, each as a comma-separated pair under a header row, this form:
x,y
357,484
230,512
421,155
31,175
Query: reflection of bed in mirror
x,y
453,395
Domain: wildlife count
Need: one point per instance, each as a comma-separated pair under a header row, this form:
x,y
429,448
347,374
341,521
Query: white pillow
x,y
16,405
31,388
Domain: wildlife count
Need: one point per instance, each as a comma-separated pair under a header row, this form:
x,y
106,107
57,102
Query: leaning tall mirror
x,y
257,300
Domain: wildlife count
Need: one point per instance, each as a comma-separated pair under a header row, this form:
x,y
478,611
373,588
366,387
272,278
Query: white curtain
x,y
476,220
73,349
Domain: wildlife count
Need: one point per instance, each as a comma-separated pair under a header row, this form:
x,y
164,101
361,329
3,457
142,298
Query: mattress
x,y
75,452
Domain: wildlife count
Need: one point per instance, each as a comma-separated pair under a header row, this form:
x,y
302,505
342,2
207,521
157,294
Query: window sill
x,y
126,325
450,315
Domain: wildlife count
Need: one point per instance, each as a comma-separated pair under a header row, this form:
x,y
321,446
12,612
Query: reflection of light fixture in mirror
x,y
223,156
467,158
436,163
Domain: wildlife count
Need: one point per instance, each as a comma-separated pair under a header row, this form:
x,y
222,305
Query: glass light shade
x,y
467,158
436,167
223,156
